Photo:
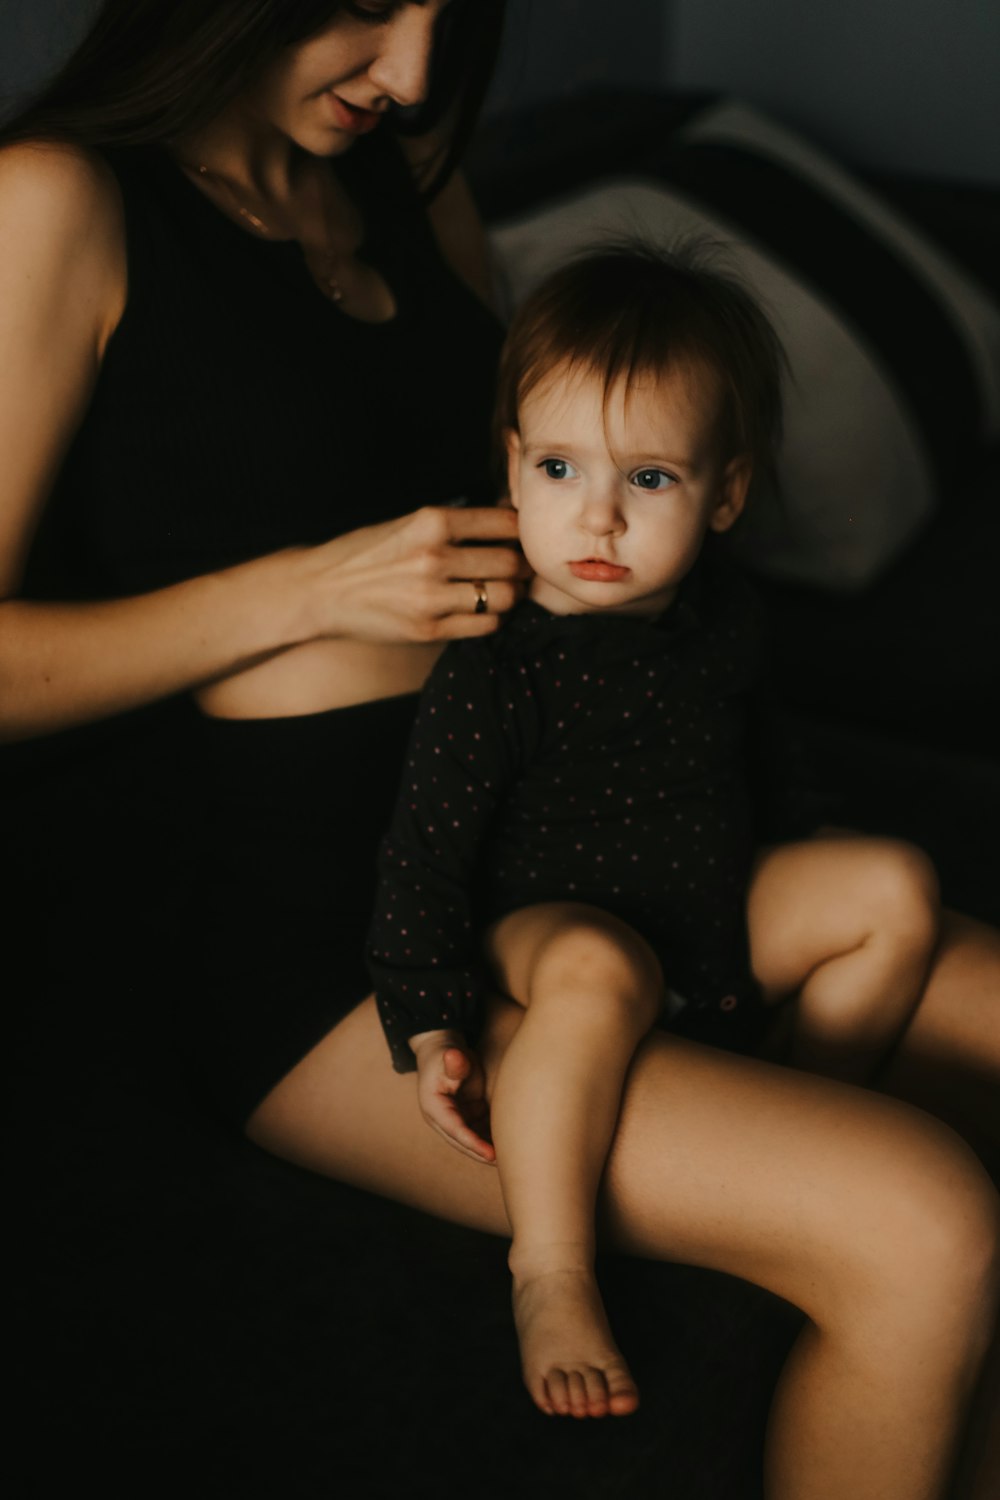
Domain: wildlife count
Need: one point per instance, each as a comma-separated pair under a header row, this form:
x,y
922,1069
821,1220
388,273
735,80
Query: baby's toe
x,y
623,1394
576,1385
557,1388
598,1395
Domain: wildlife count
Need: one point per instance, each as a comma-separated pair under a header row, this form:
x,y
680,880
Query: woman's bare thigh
x,y
718,1160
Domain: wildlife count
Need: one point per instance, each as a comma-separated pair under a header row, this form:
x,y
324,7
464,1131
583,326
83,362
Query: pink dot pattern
x,y
583,758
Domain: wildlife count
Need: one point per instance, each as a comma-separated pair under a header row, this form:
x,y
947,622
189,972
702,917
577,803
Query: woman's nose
x,y
402,67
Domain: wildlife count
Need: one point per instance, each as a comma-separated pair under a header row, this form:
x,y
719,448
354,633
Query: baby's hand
x,y
451,1090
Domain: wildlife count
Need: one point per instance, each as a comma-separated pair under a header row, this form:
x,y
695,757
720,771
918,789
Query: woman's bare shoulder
x,y
61,216
58,181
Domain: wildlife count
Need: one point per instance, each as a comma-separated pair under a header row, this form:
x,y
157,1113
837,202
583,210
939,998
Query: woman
x,y
231,336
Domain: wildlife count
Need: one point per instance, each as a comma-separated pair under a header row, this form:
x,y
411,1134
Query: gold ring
x,y
482,603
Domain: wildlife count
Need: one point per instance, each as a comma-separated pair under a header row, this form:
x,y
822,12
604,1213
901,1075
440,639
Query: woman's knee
x,y
925,1257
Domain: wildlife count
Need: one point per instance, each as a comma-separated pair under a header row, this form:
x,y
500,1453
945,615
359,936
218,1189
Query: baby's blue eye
x,y
653,479
557,468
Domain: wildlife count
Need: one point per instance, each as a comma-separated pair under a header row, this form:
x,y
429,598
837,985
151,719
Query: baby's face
x,y
615,497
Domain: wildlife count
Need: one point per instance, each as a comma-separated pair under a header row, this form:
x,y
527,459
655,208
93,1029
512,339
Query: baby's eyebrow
x,y
555,441
658,461
532,450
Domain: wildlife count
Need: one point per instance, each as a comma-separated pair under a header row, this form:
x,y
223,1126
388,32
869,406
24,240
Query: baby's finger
x,y
480,1155
457,1066
458,1134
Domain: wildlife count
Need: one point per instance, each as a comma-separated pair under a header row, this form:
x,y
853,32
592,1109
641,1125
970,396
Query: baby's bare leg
x,y
591,989
847,924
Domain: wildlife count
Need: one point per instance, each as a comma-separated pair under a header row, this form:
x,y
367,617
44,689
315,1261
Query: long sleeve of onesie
x,y
424,942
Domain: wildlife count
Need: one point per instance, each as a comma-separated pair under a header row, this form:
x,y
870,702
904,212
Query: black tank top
x,y
239,411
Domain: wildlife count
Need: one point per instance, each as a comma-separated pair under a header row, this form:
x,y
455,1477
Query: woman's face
x,y
336,85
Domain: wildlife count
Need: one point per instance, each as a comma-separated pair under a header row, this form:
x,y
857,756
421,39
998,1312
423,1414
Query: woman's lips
x,y
350,117
595,571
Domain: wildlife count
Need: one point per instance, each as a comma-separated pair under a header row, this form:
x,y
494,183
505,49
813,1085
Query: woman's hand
x,y
63,286
416,579
451,1090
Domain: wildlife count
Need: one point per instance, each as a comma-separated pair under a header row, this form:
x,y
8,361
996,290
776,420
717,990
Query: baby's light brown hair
x,y
630,310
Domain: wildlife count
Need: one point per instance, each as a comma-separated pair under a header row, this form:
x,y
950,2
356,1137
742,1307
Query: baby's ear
x,y
512,443
732,492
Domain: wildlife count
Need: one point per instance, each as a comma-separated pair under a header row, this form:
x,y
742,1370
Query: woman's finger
x,y
481,596
481,523
487,562
465,627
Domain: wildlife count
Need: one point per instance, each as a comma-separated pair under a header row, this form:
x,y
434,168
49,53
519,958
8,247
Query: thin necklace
x,y
328,278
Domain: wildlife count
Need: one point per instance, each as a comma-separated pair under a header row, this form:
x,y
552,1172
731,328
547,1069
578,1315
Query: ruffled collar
x,y
532,627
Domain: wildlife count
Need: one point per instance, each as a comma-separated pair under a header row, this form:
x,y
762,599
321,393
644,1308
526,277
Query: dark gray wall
x,y
35,35
558,47
906,85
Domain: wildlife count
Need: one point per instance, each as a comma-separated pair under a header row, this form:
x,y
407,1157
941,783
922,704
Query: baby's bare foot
x,y
571,1364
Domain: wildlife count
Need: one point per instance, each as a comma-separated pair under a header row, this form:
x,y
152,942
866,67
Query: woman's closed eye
x,y
378,10
652,479
558,468
374,10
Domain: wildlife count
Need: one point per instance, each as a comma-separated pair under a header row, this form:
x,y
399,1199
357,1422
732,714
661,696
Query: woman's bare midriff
x,y
317,676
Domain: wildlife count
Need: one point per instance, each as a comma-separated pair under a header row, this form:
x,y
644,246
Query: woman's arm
x,y
62,291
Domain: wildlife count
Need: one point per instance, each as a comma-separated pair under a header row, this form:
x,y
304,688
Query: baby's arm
x,y
424,946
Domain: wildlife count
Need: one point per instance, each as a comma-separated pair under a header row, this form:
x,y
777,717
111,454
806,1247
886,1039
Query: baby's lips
x,y
596,570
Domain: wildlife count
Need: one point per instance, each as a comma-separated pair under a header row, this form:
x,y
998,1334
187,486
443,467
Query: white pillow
x,y
894,350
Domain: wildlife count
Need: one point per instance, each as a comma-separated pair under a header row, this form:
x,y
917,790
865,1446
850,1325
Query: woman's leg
x,y
847,925
948,1059
946,1056
591,989
871,1217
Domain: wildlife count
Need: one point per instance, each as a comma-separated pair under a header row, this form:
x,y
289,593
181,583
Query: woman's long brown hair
x,y
150,72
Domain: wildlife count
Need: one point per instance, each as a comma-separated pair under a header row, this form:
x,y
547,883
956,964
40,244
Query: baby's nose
x,y
602,515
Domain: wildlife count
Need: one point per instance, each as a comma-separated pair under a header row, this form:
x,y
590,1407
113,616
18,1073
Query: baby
x,y
574,828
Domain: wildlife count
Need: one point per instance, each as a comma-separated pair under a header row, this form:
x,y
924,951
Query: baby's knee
x,y
593,958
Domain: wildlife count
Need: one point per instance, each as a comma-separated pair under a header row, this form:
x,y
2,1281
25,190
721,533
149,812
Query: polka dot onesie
x,y
585,758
